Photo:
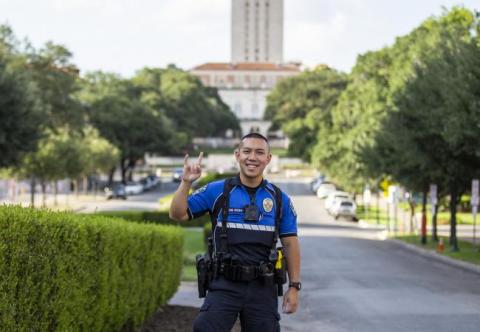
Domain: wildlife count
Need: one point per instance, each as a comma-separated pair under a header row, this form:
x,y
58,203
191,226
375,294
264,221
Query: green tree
x,y
195,110
57,156
115,109
432,136
56,82
301,106
19,118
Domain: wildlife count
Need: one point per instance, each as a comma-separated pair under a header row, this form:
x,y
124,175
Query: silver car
x,y
345,208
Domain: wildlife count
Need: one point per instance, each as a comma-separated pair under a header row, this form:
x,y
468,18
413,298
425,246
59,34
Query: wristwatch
x,y
297,285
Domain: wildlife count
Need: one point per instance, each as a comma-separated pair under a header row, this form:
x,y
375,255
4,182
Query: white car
x,y
133,188
334,196
324,189
344,208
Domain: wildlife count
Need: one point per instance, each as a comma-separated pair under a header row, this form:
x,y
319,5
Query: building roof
x,y
249,66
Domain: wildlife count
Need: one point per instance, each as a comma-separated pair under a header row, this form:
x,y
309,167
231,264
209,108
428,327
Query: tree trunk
x,y
75,186
44,193
424,217
95,184
434,224
55,192
453,218
131,167
111,175
32,192
124,168
411,204
85,185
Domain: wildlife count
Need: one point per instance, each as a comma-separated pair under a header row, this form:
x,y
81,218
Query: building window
x,y
255,110
237,109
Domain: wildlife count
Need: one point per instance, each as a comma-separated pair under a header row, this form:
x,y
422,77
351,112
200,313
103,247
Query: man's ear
x,y
269,158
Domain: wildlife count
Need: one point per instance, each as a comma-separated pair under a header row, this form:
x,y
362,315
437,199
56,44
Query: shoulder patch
x,y
292,208
200,190
267,204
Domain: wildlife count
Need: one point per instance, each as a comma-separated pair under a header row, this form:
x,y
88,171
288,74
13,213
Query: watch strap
x,y
297,285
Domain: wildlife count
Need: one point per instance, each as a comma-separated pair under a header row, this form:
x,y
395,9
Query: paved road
x,y
355,281
145,201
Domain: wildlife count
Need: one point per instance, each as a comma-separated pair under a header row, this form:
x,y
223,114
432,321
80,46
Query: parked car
x,y
116,191
134,188
146,184
177,174
155,180
333,197
345,208
324,189
316,182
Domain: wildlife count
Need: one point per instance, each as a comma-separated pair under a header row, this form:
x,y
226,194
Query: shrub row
x,y
66,272
155,217
212,177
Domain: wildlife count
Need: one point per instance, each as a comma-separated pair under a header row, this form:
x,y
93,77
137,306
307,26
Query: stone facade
x,y
244,88
257,31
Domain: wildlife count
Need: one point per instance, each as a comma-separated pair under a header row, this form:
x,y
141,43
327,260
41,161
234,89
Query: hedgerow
x,y
155,217
67,272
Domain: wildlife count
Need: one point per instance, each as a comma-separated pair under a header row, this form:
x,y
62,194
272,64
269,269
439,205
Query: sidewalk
x,y
187,295
464,232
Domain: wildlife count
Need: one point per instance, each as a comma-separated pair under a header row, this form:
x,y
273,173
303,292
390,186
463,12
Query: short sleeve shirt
x,y
249,241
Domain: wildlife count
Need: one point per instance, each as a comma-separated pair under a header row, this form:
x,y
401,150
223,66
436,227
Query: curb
x,y
433,254
364,224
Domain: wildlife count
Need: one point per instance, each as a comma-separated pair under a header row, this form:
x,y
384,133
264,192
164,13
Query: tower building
x,y
256,62
257,31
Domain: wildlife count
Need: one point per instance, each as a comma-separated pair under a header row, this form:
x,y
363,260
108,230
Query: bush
x,y
210,177
155,217
67,272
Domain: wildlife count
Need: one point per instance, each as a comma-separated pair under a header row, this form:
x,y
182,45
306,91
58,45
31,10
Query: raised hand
x,y
192,171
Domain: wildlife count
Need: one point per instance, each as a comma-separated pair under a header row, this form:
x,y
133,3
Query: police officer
x,y
250,228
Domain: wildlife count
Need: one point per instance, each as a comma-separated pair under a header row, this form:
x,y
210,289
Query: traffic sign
x,y
474,199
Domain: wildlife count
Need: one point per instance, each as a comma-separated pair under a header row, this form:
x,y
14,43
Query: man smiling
x,y
248,215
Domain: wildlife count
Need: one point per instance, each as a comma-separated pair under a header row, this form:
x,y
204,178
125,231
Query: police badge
x,y
267,204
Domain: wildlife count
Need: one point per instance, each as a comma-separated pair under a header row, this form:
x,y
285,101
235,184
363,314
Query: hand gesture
x,y
191,172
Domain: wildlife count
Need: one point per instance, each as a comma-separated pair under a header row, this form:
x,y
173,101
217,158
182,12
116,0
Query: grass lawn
x,y
194,245
467,253
370,215
165,202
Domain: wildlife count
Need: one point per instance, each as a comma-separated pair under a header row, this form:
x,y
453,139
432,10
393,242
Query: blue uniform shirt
x,y
249,241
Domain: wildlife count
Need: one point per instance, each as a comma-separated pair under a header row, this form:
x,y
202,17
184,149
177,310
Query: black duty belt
x,y
236,272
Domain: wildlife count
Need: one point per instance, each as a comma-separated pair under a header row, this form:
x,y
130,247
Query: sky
x,y
123,36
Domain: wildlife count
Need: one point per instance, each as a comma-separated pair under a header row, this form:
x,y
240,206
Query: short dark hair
x,y
254,135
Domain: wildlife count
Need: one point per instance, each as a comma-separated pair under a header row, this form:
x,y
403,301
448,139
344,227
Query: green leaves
x,y
301,105
62,271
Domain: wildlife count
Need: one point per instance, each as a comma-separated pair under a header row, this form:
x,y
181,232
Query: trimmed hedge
x,y
67,272
155,217
210,177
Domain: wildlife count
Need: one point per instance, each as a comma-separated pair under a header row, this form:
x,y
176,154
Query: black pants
x,y
255,303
